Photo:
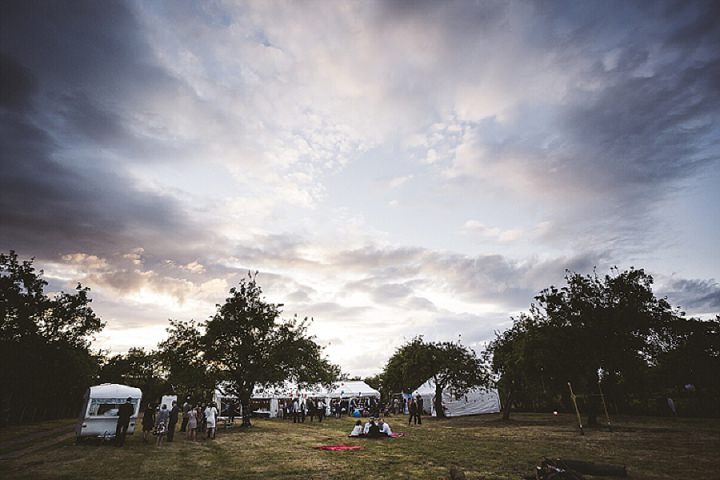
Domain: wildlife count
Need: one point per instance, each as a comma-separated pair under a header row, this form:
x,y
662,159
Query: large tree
x,y
140,369
448,364
610,328
248,343
44,343
183,358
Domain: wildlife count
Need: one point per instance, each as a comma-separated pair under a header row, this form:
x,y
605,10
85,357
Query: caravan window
x,y
107,407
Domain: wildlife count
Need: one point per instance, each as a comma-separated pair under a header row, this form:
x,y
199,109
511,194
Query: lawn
x,y
483,446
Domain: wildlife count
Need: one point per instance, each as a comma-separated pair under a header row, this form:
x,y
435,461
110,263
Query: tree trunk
x,y
246,412
506,404
439,411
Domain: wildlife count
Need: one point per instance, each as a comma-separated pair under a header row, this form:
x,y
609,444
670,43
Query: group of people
x,y
372,429
298,409
162,421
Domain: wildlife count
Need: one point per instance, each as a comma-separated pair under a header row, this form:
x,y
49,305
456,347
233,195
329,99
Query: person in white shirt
x,y
357,429
295,410
384,428
210,414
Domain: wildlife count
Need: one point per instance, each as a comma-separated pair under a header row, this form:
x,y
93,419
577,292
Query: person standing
x,y
303,410
419,412
192,424
311,408
185,409
174,413
125,411
202,419
412,409
210,417
161,424
148,421
320,410
295,410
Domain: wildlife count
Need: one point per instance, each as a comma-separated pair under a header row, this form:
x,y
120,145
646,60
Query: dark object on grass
x,y
557,469
456,473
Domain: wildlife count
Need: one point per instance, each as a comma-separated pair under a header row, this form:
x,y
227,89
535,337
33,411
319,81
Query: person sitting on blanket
x,y
384,428
370,422
372,430
357,430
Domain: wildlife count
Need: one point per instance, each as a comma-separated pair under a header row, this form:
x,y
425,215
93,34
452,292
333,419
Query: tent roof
x,y
343,389
114,390
353,388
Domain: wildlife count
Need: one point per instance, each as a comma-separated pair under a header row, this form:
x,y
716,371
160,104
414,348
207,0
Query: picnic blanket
x,y
335,448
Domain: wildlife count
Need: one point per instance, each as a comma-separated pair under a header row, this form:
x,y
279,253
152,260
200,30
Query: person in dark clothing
x,y
412,409
185,409
374,430
311,408
148,421
174,413
125,411
419,412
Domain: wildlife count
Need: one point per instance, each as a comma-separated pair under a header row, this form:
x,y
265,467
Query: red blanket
x,y
335,448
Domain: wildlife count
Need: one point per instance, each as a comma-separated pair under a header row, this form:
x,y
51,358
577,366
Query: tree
x,y
249,344
44,343
183,359
137,368
449,364
612,326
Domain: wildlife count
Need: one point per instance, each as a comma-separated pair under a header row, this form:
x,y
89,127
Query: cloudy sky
x,y
390,168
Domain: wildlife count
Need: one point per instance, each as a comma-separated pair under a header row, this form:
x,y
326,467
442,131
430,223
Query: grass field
x,y
483,447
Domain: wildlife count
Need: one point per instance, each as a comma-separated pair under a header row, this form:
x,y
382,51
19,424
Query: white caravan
x,y
99,414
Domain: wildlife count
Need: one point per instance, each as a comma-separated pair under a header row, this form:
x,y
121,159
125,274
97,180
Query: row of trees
x,y
608,333
611,329
47,361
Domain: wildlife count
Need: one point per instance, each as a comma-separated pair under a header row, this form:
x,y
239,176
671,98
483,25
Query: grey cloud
x,y
636,119
70,71
397,273
16,84
694,295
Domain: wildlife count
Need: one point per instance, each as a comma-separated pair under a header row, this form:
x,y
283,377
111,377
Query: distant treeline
x,y
608,334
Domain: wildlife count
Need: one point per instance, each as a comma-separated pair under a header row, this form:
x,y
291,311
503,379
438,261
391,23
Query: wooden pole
x,y
577,412
607,416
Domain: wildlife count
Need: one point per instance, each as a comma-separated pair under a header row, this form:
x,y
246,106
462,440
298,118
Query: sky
x,y
390,168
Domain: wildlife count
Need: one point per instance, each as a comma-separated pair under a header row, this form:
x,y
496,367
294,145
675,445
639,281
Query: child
x,y
357,431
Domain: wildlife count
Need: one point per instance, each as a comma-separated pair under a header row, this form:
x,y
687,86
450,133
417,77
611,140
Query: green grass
x,y
484,447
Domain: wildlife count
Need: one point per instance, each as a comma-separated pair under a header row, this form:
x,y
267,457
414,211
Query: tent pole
x,y
577,412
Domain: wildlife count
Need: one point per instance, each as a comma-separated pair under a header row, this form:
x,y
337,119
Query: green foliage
x,y
247,343
44,344
140,369
611,328
183,359
449,364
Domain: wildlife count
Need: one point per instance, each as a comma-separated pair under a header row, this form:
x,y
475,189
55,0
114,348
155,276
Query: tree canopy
x,y
247,343
611,328
44,343
448,364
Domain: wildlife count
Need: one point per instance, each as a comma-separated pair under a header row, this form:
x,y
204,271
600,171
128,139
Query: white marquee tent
x,y
476,401
290,390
